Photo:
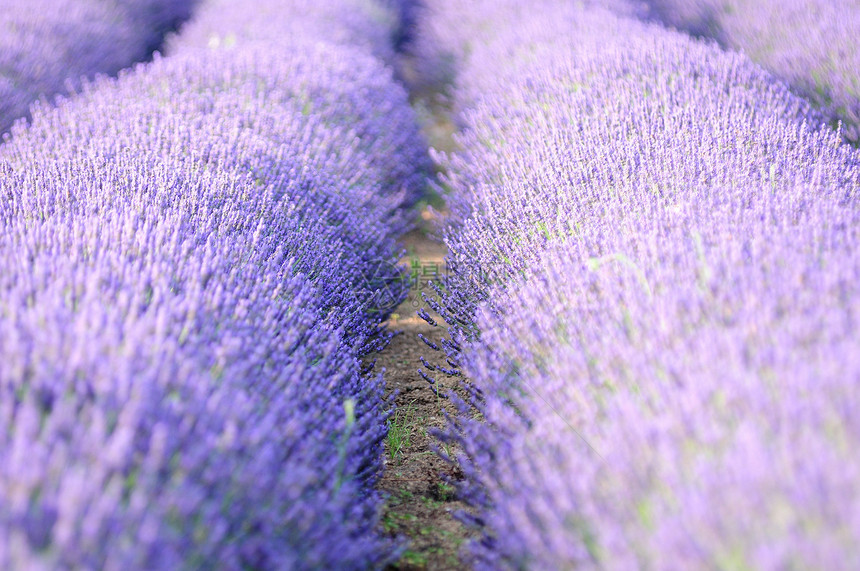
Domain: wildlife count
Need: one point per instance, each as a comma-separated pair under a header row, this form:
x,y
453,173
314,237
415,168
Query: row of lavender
x,y
811,44
191,258
48,47
654,296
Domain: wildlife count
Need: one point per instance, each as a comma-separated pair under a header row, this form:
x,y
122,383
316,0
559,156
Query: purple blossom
x,y
181,249
653,297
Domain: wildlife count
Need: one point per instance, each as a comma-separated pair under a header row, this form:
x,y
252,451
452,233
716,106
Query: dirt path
x,y
419,505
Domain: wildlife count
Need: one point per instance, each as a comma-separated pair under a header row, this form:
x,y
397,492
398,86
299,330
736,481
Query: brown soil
x,y
419,504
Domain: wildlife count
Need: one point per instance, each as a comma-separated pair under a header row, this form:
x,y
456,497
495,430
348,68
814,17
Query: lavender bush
x,y
368,24
48,47
654,296
810,44
193,258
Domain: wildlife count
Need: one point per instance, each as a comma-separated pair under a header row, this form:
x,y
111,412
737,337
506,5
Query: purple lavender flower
x,y
179,327
653,297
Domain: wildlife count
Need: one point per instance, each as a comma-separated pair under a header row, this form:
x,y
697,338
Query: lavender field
x,y
647,327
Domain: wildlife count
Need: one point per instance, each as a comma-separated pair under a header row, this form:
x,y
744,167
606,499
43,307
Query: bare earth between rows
x,y
418,503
